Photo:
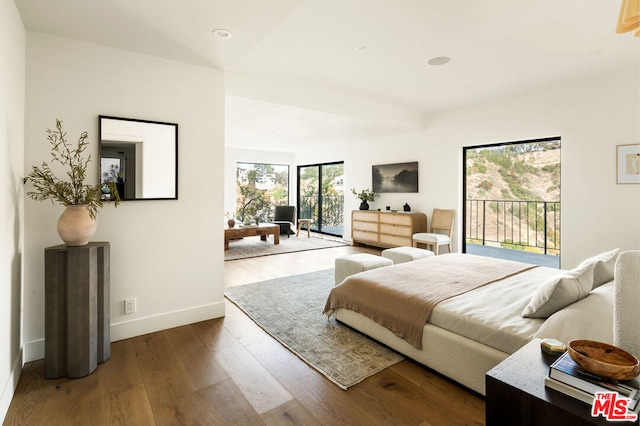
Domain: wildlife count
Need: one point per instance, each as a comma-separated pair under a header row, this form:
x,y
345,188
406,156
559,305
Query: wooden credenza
x,y
386,229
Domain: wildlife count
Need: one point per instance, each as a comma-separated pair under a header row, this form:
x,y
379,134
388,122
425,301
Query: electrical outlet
x,y
129,305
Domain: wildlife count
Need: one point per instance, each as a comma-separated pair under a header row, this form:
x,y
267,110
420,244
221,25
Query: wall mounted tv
x,y
398,177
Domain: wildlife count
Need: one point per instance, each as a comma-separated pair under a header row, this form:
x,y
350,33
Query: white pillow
x,y
560,291
589,318
603,267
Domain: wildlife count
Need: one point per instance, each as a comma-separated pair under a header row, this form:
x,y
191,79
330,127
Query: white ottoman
x,y
354,263
405,254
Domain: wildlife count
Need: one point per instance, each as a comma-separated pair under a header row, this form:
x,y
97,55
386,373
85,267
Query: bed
x,y
468,333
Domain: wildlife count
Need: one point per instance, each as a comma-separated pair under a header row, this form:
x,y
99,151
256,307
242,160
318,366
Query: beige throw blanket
x,y
402,297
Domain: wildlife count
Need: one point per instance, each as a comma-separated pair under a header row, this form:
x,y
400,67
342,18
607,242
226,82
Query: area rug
x,y
290,310
254,247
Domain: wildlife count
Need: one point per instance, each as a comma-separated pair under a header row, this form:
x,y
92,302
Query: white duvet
x,y
492,315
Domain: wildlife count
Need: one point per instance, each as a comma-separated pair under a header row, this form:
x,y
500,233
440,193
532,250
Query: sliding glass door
x,y
321,197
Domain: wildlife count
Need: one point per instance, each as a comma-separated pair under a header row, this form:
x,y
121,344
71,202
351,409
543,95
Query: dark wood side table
x,y
516,394
77,303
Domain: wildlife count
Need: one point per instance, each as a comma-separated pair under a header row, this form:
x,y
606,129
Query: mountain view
x,y
510,191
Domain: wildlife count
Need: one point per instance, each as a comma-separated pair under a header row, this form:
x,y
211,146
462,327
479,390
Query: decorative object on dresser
x,y
386,229
441,230
77,224
364,196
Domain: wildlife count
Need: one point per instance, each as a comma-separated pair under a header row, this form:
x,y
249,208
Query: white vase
x,y
76,226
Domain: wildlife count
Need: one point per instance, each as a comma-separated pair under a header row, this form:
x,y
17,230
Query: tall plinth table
x,y
77,317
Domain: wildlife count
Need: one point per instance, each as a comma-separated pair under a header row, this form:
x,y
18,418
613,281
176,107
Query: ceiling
x,y
331,71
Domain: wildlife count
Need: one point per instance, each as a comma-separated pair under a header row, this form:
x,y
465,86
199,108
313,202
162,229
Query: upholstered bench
x,y
405,254
354,263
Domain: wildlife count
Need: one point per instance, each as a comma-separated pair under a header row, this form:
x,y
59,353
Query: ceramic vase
x,y
231,223
364,205
76,226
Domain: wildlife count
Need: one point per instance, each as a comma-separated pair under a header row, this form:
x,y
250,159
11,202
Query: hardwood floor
x,y
228,371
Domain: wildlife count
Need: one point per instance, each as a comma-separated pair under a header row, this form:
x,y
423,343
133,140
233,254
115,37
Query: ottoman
x,y
354,263
405,254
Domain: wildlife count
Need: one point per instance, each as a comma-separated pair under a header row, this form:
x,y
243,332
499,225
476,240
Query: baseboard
x,y
139,326
9,387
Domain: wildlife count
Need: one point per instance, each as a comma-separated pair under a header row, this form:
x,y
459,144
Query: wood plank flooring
x,y
228,371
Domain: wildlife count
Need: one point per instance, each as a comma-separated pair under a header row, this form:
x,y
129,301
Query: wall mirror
x,y
141,156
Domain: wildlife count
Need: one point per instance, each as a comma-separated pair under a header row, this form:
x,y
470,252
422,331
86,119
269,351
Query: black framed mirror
x,y
140,156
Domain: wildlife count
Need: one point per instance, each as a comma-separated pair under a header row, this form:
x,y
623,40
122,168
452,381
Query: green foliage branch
x,y
72,191
365,194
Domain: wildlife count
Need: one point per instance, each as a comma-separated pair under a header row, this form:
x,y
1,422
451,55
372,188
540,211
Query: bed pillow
x,y
589,318
603,267
560,291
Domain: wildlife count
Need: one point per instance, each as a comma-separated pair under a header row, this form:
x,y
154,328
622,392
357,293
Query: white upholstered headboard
x,y
626,307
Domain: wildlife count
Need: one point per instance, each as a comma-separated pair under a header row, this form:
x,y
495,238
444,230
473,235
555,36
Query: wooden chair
x,y
440,233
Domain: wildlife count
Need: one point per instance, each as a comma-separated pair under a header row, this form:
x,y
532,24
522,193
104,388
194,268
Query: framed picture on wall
x,y
399,177
628,163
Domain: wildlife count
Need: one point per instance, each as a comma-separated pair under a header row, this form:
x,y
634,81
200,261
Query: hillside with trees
x,y
514,190
514,172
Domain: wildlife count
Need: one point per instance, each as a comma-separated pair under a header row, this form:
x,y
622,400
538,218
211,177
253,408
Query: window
x,y
259,188
512,200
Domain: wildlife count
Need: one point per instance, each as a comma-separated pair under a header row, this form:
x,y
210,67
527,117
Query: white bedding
x,y
471,333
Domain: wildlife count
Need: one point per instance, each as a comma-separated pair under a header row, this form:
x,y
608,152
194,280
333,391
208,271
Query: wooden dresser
x,y
386,229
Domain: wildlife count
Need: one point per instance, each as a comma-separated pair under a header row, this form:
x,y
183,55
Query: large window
x,y
259,188
512,199
321,197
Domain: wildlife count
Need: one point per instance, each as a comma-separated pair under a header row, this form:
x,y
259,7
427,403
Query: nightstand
x,y
516,394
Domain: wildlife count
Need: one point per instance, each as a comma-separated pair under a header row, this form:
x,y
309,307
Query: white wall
x,y
167,254
591,116
12,84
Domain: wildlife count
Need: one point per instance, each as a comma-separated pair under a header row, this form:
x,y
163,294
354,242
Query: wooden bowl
x,y
604,360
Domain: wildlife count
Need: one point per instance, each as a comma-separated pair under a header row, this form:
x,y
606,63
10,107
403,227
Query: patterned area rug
x,y
254,247
290,310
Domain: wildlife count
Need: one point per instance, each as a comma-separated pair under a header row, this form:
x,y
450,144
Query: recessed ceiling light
x,y
272,133
222,34
439,60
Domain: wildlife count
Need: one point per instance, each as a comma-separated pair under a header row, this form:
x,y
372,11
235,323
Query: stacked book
x,y
566,376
